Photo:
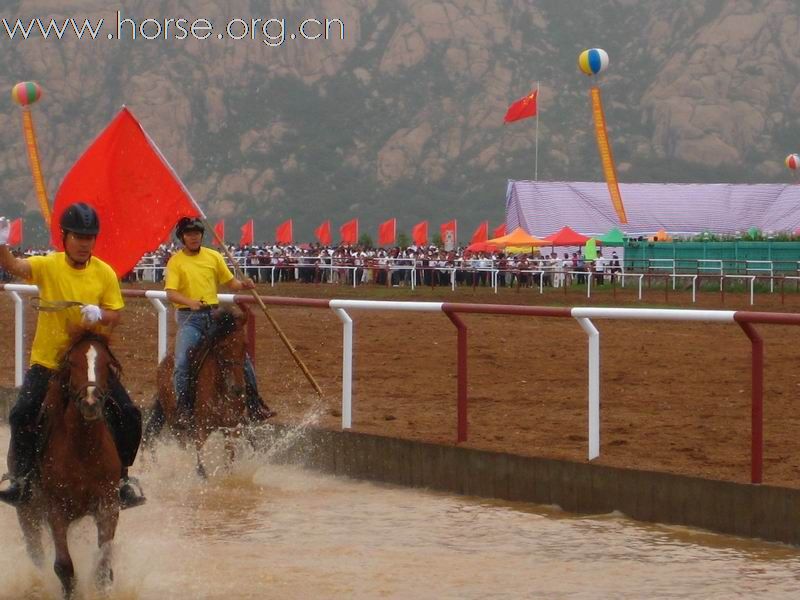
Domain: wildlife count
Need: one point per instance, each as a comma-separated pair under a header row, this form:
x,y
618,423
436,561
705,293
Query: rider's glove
x,y
5,230
91,314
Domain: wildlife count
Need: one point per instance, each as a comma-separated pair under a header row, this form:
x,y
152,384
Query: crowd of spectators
x,y
425,265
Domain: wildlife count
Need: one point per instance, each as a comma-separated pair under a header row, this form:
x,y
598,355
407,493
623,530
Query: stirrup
x,y
130,493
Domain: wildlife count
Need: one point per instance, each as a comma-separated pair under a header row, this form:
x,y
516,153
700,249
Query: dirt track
x,y
675,397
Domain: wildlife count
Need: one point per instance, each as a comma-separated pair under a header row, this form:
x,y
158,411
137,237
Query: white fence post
x,y
347,367
594,386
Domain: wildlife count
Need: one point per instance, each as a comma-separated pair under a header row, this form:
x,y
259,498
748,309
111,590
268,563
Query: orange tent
x,y
518,237
662,236
481,247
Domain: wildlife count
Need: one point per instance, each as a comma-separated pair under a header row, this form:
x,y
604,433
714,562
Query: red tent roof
x,y
567,236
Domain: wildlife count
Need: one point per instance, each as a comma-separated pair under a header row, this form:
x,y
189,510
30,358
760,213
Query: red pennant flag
x,y
137,195
481,233
448,231
248,234
419,233
522,108
219,230
349,232
499,231
15,233
283,233
323,233
387,233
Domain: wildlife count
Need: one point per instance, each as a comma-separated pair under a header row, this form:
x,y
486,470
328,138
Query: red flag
x,y
481,233
349,232
522,108
219,230
419,233
387,233
248,234
448,231
500,231
135,192
15,233
323,233
283,233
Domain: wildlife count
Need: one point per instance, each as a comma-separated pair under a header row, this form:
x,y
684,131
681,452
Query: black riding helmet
x,y
188,224
80,218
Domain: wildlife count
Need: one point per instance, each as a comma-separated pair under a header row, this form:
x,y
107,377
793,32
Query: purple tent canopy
x,y
544,207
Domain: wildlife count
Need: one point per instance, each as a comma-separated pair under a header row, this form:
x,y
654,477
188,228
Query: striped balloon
x,y
793,161
593,61
26,92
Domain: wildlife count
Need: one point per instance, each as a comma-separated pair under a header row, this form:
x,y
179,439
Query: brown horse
x,y
219,404
79,467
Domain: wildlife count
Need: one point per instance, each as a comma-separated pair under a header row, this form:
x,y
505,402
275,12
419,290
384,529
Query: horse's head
x,y
85,371
230,347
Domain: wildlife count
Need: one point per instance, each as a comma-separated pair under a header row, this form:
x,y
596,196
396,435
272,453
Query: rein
x,y
53,305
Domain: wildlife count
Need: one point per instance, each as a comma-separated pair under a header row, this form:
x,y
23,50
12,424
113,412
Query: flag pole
x,y
238,270
536,167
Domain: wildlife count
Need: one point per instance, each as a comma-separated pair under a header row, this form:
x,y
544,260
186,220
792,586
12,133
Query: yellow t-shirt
x,y
197,277
59,282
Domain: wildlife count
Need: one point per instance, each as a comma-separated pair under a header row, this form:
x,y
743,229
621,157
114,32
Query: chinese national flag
x,y
349,232
448,229
387,233
219,230
248,234
481,233
136,193
499,231
522,108
419,233
15,233
323,233
283,233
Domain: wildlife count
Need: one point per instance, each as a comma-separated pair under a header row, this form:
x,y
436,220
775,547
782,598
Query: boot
x,y
257,409
130,491
18,490
22,454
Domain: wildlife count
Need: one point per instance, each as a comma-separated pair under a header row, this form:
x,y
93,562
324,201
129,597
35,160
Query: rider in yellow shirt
x,y
193,277
75,289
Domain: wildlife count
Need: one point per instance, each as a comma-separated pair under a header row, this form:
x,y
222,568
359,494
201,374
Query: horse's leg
x,y
31,524
63,563
155,424
199,441
230,448
107,519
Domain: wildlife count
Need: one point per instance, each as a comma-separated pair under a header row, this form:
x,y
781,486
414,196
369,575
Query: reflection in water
x,y
266,531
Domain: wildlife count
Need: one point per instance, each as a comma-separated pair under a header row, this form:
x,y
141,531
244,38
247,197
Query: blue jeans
x,y
192,326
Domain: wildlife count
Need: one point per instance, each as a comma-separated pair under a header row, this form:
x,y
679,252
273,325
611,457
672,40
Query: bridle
x,y
75,394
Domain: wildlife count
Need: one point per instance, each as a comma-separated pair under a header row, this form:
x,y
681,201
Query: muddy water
x,y
266,531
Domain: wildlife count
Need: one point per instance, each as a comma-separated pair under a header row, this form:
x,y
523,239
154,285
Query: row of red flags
x,y
284,233
348,233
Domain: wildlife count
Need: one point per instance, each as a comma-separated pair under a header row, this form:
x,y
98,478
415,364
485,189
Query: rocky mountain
x,y
403,117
